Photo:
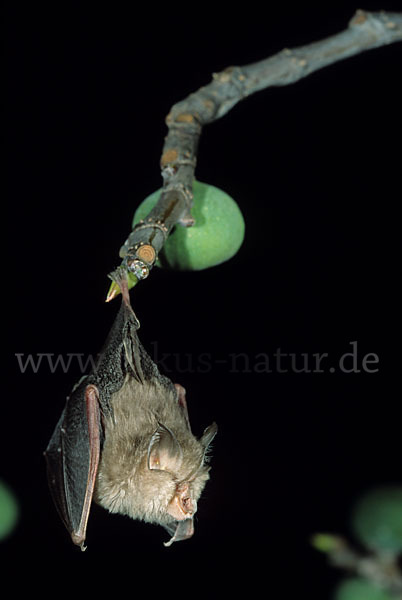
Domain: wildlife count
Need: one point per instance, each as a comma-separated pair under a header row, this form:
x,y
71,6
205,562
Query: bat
x,y
124,440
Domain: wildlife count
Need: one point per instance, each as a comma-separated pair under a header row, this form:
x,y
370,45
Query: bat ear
x,y
164,451
208,435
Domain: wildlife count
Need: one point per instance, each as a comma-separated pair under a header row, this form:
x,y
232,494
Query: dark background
x,y
315,168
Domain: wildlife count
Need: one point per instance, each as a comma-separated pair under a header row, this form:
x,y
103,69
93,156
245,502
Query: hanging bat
x,y
124,440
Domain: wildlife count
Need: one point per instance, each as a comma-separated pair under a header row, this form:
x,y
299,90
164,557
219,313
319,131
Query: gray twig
x,y
186,118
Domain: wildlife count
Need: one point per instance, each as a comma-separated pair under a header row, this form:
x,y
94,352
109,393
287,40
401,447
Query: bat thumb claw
x,y
79,540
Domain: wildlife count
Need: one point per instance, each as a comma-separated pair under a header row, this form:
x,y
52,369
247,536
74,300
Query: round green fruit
x,y
357,588
377,519
8,511
215,237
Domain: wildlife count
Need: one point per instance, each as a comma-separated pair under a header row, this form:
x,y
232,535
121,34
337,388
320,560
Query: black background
x,y
315,168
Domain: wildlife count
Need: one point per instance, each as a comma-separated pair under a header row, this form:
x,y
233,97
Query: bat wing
x,y
72,458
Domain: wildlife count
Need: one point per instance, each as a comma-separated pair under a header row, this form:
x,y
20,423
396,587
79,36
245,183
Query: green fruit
x,y
377,519
8,511
216,236
359,589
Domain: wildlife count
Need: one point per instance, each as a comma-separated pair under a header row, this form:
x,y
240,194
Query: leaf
x,y
114,289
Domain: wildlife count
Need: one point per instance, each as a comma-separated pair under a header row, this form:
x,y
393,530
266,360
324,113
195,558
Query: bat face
x,y
124,440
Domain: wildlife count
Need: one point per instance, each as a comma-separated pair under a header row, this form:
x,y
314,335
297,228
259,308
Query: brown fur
x,y
125,483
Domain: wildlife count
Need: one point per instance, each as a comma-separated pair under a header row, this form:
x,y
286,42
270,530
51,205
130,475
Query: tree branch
x,y
186,119
381,569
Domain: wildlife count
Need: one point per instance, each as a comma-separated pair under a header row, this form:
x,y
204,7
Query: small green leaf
x,y
114,289
326,542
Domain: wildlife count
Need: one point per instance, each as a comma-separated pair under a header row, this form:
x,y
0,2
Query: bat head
x,y
184,466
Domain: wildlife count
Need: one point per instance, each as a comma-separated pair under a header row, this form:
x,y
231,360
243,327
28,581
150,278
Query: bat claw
x,y
119,278
78,540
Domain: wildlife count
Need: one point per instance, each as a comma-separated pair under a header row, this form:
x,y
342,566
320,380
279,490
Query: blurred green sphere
x,y
8,511
377,519
359,589
216,236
